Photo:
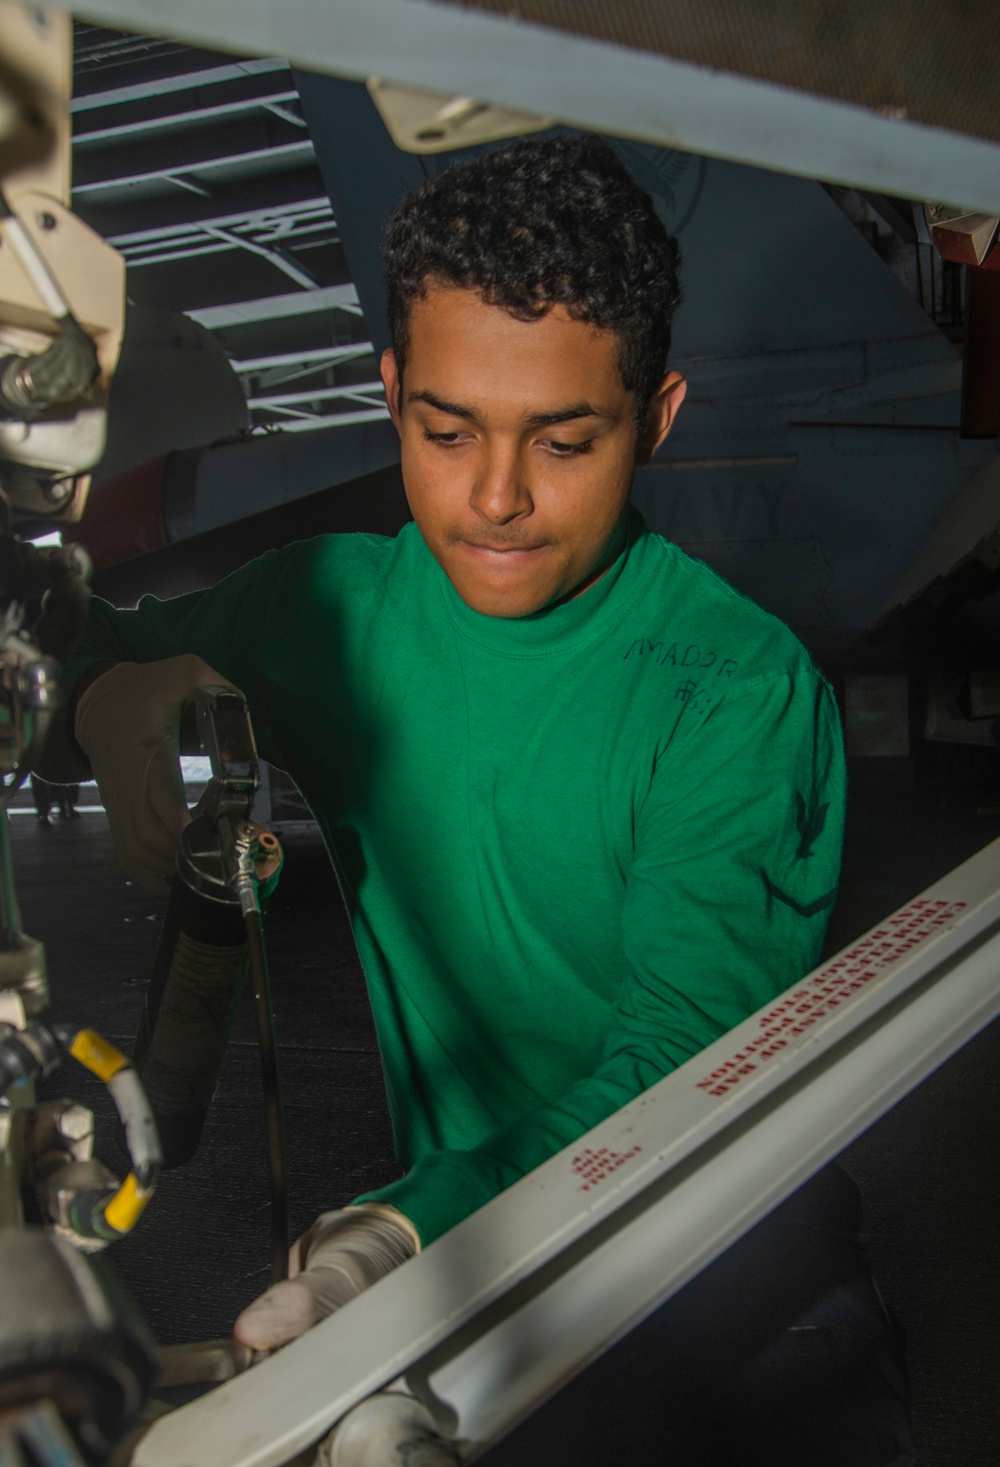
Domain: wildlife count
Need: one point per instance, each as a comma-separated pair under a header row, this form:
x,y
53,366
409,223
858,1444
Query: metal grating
x,y
932,61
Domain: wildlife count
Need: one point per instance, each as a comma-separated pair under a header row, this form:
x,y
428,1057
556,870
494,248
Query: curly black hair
x,y
543,222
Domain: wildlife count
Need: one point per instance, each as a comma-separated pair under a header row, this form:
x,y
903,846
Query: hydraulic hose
x,y
35,1051
198,975
110,1218
212,937
227,866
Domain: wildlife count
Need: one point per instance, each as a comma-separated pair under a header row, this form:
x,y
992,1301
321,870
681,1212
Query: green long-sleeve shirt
x,y
577,846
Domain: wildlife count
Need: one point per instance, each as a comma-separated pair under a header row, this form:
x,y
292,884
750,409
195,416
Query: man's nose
x,y
501,493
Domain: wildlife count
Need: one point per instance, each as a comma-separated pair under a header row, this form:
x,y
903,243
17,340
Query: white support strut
x,y
495,1316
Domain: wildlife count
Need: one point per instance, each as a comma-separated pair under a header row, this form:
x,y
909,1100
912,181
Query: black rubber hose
x,y
62,373
272,1098
197,980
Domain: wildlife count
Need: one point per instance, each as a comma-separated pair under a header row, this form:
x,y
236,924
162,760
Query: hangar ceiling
x,y
200,169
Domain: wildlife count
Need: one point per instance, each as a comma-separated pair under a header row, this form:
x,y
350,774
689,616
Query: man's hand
x,y
127,724
342,1254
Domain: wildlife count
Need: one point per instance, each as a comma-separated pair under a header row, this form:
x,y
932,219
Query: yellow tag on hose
x,y
125,1208
97,1055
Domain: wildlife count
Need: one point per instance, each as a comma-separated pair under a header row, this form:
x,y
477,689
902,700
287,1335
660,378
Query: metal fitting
x,y
22,970
71,1190
75,1123
16,394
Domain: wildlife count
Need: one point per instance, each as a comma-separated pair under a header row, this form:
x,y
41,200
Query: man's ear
x,y
663,409
393,382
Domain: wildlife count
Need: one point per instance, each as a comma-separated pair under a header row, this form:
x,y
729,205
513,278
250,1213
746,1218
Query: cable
x,y
111,1217
36,1051
272,1097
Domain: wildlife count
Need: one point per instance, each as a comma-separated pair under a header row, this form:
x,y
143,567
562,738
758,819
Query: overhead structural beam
x,y
311,422
276,372
280,258
610,88
269,156
292,218
269,100
271,308
498,1313
315,357
190,185
359,391
120,215
285,113
191,246
161,86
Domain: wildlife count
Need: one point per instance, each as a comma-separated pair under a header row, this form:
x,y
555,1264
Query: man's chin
x,y
507,605
501,585
510,599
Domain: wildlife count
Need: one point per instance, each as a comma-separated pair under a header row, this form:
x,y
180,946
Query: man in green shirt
x,y
584,799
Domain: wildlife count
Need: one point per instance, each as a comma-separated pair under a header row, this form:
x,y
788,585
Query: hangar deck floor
x,y
930,1171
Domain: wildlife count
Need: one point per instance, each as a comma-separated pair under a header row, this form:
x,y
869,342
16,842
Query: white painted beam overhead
x,y
286,154
321,356
587,83
270,99
300,303
161,86
310,423
356,392
281,220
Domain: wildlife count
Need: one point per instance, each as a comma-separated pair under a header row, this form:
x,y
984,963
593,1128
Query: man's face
x,y
518,447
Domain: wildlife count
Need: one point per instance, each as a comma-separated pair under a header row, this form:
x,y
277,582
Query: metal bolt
x,y
76,1122
46,220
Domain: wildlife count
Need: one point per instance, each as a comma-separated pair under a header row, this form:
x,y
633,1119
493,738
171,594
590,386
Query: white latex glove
x,y
342,1254
127,725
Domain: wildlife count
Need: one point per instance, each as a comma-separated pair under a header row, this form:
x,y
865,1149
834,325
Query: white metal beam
x,y
189,185
505,1308
286,114
315,357
270,101
358,391
287,154
534,69
278,217
270,308
274,255
309,422
162,86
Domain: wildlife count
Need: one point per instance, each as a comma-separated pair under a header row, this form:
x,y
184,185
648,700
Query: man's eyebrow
x,y
562,415
530,420
452,409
